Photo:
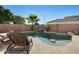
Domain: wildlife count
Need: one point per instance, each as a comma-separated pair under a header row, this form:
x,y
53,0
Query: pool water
x,y
45,37
56,43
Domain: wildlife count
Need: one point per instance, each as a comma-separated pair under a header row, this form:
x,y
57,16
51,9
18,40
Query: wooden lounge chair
x,y
19,43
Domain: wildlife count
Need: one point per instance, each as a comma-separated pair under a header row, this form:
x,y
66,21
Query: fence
x,y
53,27
64,27
13,27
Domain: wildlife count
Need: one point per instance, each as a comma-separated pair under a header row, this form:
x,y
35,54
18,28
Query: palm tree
x,y
36,26
32,19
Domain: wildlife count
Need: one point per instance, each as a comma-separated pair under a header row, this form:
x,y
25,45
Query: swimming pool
x,y
51,38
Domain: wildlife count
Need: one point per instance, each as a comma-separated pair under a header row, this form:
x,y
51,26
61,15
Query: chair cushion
x,y
16,49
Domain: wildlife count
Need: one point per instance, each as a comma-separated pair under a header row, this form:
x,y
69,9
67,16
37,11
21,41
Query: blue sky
x,y
45,12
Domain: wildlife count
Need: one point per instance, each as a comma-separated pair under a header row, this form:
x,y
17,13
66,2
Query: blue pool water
x,y
45,37
56,43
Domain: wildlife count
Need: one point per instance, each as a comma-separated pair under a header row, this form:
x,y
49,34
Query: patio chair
x,y
19,43
3,39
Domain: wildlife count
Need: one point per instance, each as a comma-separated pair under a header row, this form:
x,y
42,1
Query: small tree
x,y
19,20
5,15
47,28
32,19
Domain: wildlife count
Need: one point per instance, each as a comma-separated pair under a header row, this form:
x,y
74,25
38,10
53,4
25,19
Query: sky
x,y
45,12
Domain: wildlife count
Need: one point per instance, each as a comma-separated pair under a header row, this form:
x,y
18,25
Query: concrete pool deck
x,y
40,47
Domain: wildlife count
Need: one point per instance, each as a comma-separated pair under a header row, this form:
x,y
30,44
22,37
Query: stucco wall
x,y
52,27
64,27
15,27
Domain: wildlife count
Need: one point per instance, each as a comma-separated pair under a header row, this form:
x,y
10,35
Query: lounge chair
x,y
3,39
19,43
